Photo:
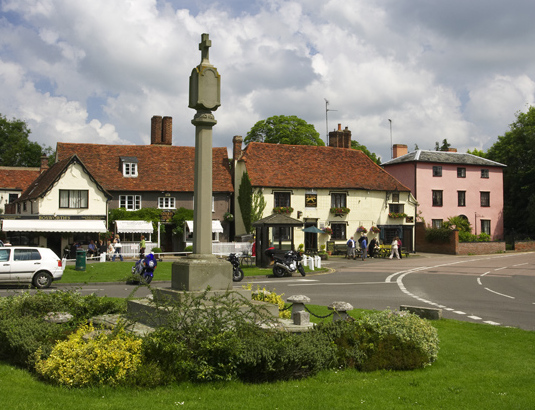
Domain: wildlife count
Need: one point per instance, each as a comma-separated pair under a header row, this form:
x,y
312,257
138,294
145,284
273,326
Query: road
x,y
494,289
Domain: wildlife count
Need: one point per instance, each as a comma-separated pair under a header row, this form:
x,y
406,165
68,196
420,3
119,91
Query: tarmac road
x,y
495,289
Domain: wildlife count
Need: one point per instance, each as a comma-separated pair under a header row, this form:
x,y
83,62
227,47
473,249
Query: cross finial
x,y
204,45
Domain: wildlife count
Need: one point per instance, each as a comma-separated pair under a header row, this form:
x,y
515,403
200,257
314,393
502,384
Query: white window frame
x,y
130,169
73,199
134,199
166,202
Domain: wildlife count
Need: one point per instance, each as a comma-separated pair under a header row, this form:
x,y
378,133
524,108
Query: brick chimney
x,y
339,138
400,150
236,147
167,131
156,129
452,150
44,163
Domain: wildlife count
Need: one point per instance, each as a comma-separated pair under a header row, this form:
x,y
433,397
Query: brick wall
x,y
524,246
454,247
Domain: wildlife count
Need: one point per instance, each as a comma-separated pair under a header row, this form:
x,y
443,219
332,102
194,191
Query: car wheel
x,y
42,280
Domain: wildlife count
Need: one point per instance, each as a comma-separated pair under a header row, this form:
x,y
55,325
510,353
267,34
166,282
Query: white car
x,y
38,266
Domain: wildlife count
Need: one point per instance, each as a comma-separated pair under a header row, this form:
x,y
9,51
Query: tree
x,y
363,148
245,199
516,149
281,129
477,153
444,147
259,204
16,150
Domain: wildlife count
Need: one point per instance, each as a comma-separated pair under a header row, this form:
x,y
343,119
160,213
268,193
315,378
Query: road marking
x,y
337,284
505,267
486,273
490,322
286,281
521,264
459,312
498,293
475,317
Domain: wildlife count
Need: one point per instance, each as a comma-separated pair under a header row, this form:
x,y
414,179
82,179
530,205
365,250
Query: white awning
x,y
216,226
134,227
54,225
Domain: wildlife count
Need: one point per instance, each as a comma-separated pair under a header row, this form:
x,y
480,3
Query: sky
x,y
97,71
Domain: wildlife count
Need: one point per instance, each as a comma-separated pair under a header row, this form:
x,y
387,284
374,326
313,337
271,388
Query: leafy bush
x,y
397,341
91,358
203,336
438,235
270,297
21,336
23,329
284,356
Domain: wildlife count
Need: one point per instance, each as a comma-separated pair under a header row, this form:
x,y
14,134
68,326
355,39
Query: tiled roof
x,y
46,180
443,158
160,168
17,178
305,166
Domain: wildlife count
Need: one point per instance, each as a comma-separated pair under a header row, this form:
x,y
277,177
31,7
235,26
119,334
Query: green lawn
x,y
479,367
120,271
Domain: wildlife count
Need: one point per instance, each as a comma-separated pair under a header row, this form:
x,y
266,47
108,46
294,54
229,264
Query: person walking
x,y
117,245
142,247
394,248
371,247
399,249
350,248
364,247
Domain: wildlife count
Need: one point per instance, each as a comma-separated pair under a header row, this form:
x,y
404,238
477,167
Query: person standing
x,y
394,248
399,249
350,248
142,247
364,247
371,247
117,245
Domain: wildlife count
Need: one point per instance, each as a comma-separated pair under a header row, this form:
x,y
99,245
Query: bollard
x,y
103,257
311,263
318,261
340,310
305,260
300,317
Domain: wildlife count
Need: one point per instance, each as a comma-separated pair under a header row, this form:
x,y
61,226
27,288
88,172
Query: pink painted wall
x,y
424,183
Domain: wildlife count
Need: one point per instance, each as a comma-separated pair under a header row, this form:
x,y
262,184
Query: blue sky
x,y
98,71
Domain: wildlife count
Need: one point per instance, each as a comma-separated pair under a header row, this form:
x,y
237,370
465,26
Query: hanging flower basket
x,y
375,229
283,210
328,230
340,210
362,229
397,215
228,217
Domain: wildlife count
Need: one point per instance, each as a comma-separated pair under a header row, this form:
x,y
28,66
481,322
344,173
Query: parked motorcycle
x,y
237,272
143,270
288,264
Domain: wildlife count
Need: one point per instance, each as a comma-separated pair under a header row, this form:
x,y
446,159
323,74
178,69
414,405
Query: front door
x,y
311,239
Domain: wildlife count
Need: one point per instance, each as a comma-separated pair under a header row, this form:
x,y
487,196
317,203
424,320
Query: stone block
x,y
423,312
196,274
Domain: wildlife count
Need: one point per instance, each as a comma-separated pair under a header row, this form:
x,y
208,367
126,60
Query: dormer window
x,y
129,165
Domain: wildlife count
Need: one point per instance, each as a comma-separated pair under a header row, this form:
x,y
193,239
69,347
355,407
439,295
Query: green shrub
x,y
91,358
438,235
264,295
21,336
188,248
284,356
23,329
397,341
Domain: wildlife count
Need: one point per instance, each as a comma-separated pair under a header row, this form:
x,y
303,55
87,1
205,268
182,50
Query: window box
x,y
283,210
397,215
342,210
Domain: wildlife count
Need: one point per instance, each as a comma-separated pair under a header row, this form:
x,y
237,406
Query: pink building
x,y
447,184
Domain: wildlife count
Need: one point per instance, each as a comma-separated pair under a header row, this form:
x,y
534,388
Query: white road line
x,y
490,322
485,273
505,267
475,317
479,281
459,312
521,264
498,293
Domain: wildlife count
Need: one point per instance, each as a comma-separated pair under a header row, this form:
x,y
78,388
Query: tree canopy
x,y
516,149
282,129
363,148
16,150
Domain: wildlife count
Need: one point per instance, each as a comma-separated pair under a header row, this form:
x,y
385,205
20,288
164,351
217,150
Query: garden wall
x,y
454,247
524,246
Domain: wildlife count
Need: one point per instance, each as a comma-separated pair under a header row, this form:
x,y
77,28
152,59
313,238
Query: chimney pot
x,y
167,131
156,129
44,163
